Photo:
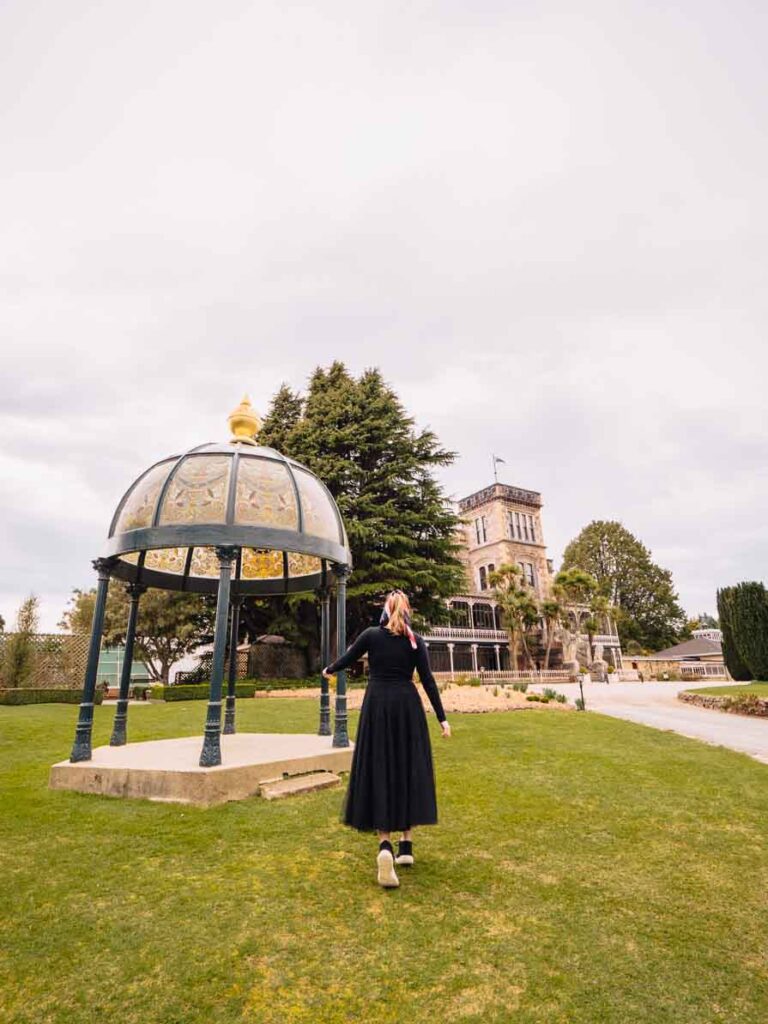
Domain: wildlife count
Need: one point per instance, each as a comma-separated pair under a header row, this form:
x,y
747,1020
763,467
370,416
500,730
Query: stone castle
x,y
501,525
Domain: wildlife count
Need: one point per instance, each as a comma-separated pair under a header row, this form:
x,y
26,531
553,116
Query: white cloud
x,y
546,224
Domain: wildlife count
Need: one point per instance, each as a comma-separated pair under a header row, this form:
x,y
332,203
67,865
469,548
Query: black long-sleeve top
x,y
391,658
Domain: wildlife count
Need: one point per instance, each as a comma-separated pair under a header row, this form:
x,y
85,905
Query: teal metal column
x,y
340,733
324,594
81,750
229,714
211,752
118,738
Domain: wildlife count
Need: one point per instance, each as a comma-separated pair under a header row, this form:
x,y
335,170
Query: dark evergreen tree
x,y
643,594
733,661
357,437
749,626
283,415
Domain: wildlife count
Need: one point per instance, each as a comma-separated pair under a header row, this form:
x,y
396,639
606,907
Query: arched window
x,y
483,616
460,615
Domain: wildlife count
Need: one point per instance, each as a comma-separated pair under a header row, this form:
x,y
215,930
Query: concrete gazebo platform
x,y
169,770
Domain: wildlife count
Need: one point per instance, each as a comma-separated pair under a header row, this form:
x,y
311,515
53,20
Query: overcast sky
x,y
546,223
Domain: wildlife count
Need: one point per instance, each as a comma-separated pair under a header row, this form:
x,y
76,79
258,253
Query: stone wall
x,y
738,704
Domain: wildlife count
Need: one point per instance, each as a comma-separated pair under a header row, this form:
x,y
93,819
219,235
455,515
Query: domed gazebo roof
x,y
236,493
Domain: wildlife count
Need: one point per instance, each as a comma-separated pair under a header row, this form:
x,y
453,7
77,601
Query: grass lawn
x,y
758,689
586,871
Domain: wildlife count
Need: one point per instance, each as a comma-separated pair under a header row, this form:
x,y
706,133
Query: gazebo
x,y
232,519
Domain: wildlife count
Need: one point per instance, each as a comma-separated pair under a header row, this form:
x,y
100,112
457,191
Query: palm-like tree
x,y
518,605
552,612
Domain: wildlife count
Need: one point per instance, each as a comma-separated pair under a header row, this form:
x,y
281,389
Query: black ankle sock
x,y
385,845
405,846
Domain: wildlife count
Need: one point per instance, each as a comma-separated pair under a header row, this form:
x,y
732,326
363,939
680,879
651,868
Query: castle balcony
x,y
450,633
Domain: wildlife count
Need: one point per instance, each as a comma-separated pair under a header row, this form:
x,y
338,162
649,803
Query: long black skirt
x,y
392,779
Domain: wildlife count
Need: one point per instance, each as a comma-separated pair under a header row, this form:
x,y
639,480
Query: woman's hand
x,y
446,730
327,674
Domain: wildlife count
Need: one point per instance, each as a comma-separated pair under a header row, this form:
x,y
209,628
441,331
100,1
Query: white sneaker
x,y
386,865
404,852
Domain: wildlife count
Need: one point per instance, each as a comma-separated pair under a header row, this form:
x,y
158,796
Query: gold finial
x,y
244,423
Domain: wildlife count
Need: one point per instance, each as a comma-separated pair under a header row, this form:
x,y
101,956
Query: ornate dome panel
x,y
170,560
302,565
321,516
261,564
265,494
139,506
197,491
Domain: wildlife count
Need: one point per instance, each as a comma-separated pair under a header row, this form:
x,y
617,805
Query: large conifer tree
x,y
356,436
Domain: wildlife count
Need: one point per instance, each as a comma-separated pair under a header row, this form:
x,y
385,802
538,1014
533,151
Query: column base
x,y
210,755
229,717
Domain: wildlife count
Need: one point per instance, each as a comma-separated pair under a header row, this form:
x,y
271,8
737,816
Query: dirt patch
x,y
471,700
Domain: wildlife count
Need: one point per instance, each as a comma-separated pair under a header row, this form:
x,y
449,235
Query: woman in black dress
x,y
391,781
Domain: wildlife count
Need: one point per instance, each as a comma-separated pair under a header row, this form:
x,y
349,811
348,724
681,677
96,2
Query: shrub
x,y
561,698
749,626
549,692
495,691
533,696
733,660
580,706
199,691
744,704
475,682
520,687
39,695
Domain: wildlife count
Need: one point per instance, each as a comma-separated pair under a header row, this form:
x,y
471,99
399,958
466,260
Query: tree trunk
x,y
526,650
550,639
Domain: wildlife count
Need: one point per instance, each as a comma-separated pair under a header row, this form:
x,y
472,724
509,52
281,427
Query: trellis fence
x,y
55,660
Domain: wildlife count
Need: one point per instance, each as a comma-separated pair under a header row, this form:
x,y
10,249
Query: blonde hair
x,y
397,607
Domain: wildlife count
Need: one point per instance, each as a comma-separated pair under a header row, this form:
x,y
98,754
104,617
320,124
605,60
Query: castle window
x,y
531,523
460,615
528,573
482,615
480,530
483,578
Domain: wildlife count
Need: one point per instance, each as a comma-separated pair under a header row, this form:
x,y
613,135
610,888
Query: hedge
x,y
198,691
243,688
749,626
734,662
40,695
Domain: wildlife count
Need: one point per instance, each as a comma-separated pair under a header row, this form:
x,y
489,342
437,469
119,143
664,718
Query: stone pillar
x,y
211,752
450,658
119,738
498,657
81,750
340,733
229,714
324,593
474,658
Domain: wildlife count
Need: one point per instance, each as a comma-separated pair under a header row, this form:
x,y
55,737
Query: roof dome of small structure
x,y
280,516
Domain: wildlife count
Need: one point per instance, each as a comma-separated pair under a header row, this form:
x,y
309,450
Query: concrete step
x,y
294,784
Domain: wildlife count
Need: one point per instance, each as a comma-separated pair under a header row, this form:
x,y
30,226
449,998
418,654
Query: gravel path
x,y
656,704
